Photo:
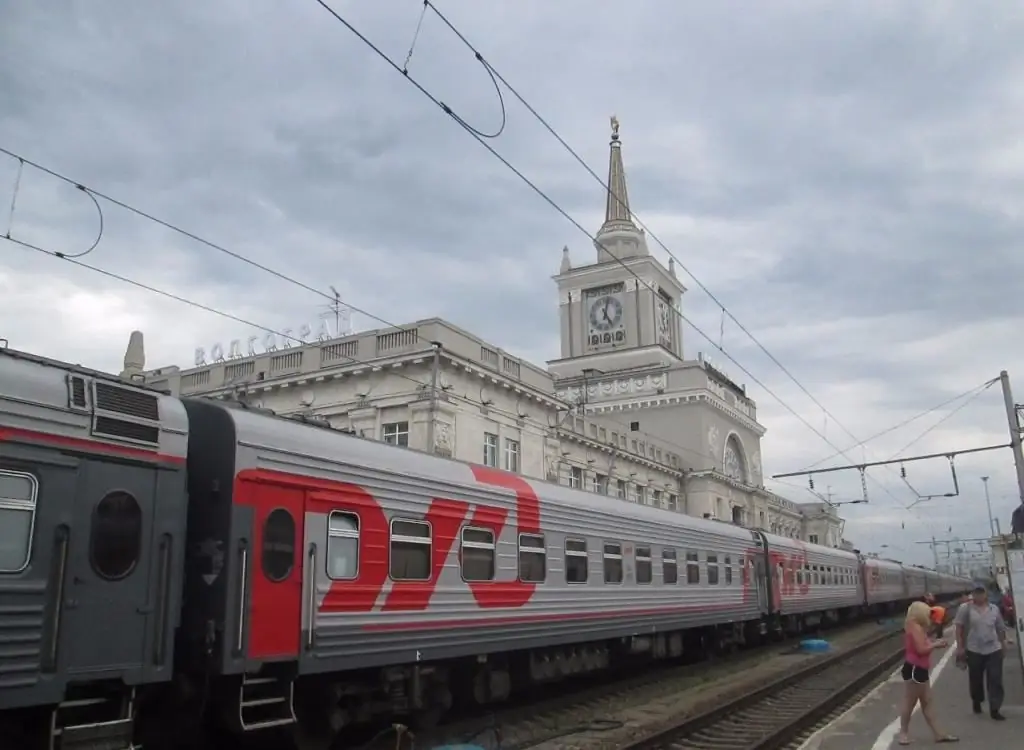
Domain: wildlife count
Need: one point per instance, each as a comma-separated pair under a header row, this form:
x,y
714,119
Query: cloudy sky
x,y
846,177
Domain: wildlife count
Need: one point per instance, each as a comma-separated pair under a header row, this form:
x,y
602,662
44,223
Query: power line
x,y
74,259
904,423
481,140
947,417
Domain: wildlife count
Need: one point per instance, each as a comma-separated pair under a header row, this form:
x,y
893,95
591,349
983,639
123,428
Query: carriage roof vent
x,y
126,414
77,392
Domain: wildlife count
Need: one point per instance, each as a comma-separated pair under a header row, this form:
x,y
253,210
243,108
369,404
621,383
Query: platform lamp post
x,y
988,504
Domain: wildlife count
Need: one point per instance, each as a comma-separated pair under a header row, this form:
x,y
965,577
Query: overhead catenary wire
x,y
949,415
75,259
544,196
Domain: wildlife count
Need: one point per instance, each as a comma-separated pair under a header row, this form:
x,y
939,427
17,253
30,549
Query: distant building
x,y
621,412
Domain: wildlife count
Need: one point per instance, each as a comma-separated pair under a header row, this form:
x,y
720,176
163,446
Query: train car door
x,y
761,574
275,571
107,603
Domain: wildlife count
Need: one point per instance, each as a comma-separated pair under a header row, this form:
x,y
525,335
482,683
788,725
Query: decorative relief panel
x,y
755,466
624,387
443,439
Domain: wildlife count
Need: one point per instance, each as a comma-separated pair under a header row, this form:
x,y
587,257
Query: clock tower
x,y
621,311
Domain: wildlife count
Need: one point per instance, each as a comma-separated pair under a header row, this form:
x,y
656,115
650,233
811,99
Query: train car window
x,y
728,570
533,558
410,550
669,566
576,563
477,554
612,562
115,535
278,548
692,567
18,494
713,570
644,567
342,545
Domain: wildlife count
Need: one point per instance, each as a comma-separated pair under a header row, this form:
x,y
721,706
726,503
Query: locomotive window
x,y
410,550
713,569
17,517
477,554
278,553
728,570
342,545
644,568
612,562
532,558
669,566
576,563
115,536
692,567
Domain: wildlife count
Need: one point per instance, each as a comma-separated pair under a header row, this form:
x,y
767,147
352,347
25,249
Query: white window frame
x,y
643,558
669,558
427,541
20,505
576,477
397,433
492,546
542,550
606,555
490,450
513,455
345,534
578,553
621,489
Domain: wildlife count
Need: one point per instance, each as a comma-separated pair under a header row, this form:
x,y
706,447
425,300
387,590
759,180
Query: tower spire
x,y
618,233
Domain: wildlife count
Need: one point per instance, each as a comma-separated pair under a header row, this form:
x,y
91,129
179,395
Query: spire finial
x,y
672,266
566,262
615,128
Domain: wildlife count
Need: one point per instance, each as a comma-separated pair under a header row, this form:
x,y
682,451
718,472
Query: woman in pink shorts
x,y
916,663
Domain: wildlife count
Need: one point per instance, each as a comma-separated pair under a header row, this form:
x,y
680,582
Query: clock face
x,y
605,313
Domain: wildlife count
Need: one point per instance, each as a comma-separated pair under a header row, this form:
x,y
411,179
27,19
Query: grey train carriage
x,y
303,578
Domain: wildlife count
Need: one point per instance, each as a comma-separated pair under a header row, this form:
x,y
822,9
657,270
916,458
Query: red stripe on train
x,y
87,445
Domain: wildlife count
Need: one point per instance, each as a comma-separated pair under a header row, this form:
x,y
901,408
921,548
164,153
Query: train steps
x,y
265,702
94,723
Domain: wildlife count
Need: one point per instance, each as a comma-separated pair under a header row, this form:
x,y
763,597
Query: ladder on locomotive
x,y
265,702
94,722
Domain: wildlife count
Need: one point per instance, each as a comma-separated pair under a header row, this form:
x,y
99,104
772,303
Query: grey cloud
x,y
850,166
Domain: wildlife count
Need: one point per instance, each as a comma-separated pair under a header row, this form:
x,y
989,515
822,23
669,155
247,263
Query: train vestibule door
x,y
106,607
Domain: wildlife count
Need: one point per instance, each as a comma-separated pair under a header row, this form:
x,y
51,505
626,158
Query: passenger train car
x,y
159,555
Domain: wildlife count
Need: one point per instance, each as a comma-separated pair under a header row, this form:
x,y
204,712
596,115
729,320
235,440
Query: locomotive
x,y
165,558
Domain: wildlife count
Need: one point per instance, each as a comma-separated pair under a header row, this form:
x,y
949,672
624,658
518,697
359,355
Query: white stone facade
x,y
621,412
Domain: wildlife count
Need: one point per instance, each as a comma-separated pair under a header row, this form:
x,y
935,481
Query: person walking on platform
x,y
917,653
980,640
938,616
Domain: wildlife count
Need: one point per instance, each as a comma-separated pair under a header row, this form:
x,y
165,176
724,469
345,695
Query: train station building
x,y
623,410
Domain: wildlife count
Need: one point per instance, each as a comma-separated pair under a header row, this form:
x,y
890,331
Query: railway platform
x,y
873,724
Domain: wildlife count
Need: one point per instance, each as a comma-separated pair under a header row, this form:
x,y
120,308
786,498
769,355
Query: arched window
x,y
278,551
733,462
115,536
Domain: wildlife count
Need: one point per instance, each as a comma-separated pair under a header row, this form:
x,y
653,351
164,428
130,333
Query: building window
x,y
575,477
656,499
342,545
620,489
634,427
612,562
632,493
813,538
410,550
692,567
512,455
115,538
396,433
17,517
576,567
477,554
673,503
712,569
532,558
490,449
641,494
669,566
601,484
644,568
278,548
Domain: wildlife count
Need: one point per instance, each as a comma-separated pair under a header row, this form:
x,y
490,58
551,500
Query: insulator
x,y
903,471
810,482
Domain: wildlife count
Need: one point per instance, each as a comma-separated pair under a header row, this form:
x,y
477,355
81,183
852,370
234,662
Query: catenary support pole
x,y
988,505
1011,420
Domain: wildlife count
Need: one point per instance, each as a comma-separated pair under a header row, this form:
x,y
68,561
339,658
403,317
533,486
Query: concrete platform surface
x,y
873,724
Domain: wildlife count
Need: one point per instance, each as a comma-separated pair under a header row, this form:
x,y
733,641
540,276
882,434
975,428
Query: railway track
x,y
780,713
599,712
